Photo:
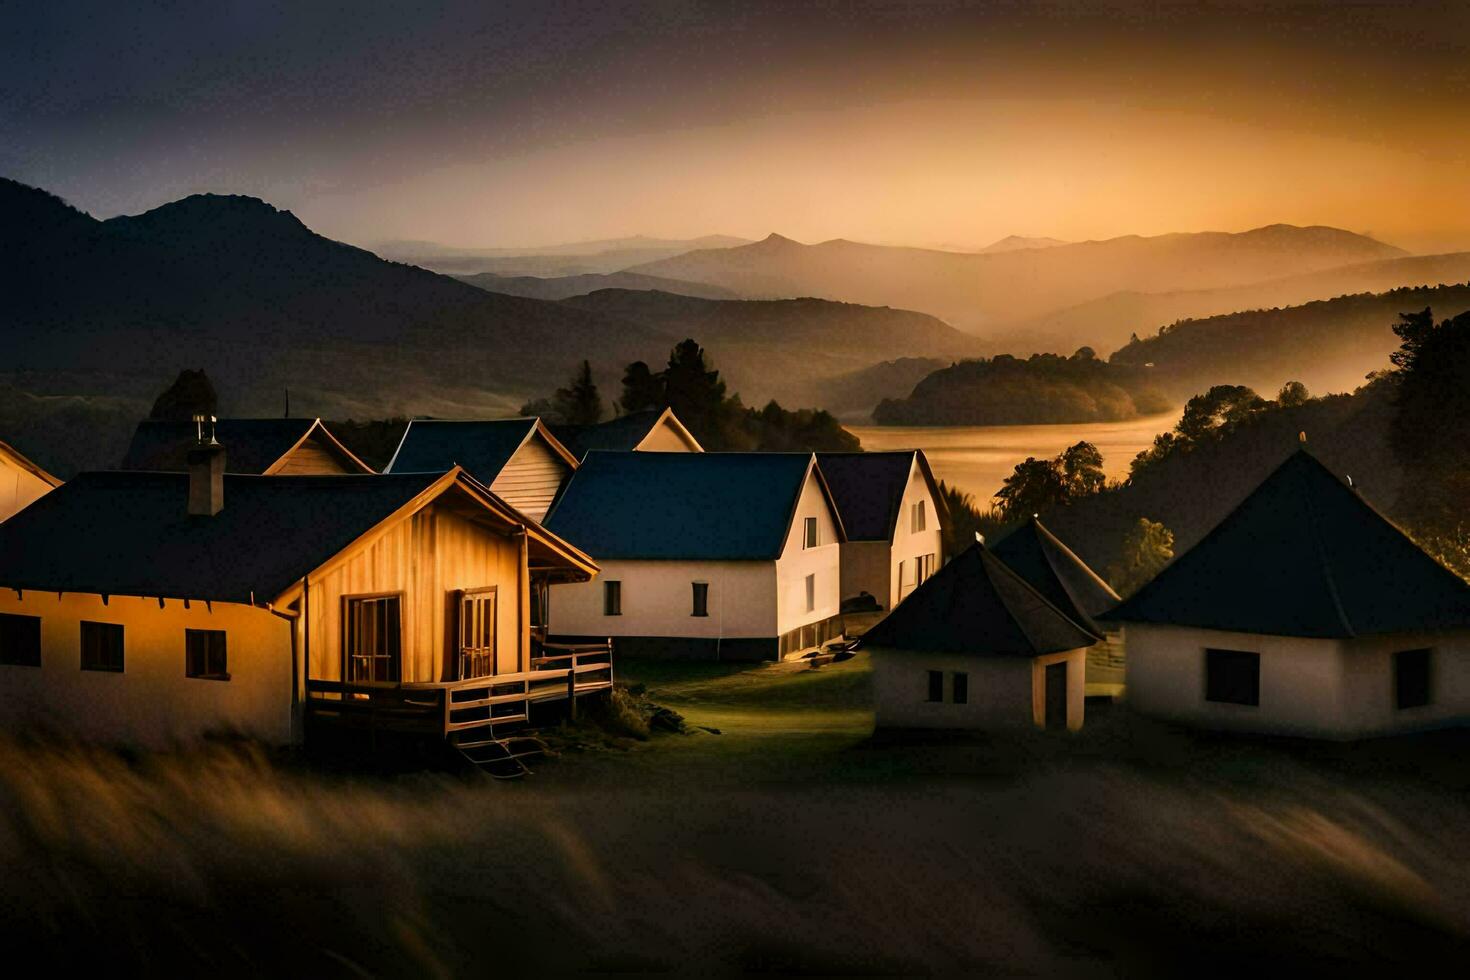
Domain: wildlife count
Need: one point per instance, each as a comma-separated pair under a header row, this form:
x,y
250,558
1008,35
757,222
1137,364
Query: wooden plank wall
x,y
531,479
313,457
427,557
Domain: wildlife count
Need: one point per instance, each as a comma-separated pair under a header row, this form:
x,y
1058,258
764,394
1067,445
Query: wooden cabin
x,y
151,608
266,447
1304,612
644,432
894,516
22,482
977,647
1067,581
716,556
518,459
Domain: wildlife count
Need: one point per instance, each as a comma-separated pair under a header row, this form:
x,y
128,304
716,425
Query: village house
x,y
1055,571
22,482
518,459
1304,612
718,556
644,432
894,517
151,608
977,647
267,447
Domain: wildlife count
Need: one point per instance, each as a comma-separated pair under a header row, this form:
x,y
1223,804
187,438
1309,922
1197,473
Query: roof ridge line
x,y
1318,543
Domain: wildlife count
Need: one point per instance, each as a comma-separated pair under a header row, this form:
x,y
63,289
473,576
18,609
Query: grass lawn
x,y
795,841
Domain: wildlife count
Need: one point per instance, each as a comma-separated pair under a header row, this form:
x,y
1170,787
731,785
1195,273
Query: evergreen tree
x,y
642,389
579,403
1148,547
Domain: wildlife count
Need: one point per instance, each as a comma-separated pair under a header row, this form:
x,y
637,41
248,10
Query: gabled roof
x,y
975,604
129,533
697,506
16,457
481,446
1036,554
1303,555
869,487
625,433
259,446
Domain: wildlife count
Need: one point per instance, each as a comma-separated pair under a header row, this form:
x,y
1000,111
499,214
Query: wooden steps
x,y
501,758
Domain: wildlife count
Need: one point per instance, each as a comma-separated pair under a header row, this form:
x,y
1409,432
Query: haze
x,y
933,124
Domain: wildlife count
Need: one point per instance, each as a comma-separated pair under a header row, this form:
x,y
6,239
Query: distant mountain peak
x,y
773,240
1015,243
213,216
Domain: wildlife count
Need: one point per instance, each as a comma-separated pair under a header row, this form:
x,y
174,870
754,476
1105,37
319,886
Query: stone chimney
x,y
206,470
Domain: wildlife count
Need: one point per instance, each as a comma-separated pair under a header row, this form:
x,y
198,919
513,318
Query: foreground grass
x,y
1130,849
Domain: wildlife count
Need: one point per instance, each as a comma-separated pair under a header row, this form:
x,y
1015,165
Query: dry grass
x,y
1135,851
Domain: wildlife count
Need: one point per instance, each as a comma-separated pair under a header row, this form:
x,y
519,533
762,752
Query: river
x,y
979,458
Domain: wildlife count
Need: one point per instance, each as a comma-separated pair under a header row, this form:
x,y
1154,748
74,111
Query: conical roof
x,y
977,605
1052,568
1304,555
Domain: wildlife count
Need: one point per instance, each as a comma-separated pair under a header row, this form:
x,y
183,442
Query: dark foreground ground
x,y
792,842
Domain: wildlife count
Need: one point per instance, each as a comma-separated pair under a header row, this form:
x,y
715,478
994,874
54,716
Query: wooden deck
x,y
447,708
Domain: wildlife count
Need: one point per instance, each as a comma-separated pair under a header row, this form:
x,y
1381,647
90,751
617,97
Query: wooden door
x,y
1056,695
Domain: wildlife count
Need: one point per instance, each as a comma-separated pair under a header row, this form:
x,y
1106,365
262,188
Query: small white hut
x,y
976,646
1304,612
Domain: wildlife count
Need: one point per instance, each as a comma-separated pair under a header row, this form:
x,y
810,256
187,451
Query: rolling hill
x,y
573,259
1329,344
565,287
1113,318
781,347
981,293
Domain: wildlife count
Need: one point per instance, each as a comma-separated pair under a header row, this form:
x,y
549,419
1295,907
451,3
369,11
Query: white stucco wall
x,y
1308,687
1004,692
796,563
658,600
908,544
151,703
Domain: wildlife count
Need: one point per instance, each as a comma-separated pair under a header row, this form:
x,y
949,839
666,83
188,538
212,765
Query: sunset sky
x,y
936,123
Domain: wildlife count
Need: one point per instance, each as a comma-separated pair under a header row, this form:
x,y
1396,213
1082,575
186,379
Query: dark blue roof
x,y
868,490
977,605
121,533
703,506
482,447
1054,570
1303,555
622,434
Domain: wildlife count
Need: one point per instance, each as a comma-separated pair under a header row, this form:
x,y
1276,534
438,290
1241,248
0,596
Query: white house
x,y
728,556
151,608
518,459
1055,571
268,447
894,517
644,432
977,647
22,482
1304,612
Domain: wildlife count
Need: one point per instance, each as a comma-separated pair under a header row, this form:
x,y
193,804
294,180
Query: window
x,y
923,568
20,641
102,646
936,686
917,517
204,655
373,646
477,609
809,540
612,598
811,593
960,688
1233,677
1411,678
701,599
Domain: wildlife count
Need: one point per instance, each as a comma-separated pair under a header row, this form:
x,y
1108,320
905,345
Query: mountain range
x,y
573,259
565,287
983,292
109,311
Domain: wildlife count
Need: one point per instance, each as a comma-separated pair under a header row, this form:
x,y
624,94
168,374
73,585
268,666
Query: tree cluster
x,y
1043,484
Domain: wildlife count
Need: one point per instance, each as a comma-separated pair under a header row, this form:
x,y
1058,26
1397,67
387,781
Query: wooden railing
x,y
561,671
